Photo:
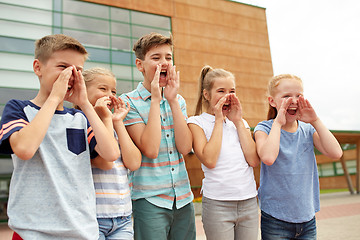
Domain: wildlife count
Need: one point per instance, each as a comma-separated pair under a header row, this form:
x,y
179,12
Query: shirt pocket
x,y
76,141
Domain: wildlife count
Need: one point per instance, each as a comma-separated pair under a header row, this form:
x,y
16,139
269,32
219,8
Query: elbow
x,y
336,155
268,161
151,153
24,153
185,150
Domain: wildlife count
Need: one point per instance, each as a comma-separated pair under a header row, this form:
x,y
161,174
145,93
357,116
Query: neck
x,y
290,126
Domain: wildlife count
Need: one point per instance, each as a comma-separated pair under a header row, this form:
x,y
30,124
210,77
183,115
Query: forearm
x,y
183,137
26,142
330,146
130,154
268,150
151,136
107,146
247,144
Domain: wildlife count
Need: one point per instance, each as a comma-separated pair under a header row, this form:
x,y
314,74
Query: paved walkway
x,y
339,218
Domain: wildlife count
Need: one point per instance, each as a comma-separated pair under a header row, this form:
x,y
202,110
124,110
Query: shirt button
x,y
170,152
164,119
172,169
167,135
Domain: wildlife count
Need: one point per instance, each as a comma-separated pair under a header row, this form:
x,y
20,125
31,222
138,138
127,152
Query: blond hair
x,y
47,45
91,73
272,87
146,42
206,82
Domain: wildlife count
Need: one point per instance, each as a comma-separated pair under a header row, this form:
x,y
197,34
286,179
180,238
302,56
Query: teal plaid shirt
x,y
163,180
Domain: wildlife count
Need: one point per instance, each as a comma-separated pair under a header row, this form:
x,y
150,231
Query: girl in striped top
x,y
113,201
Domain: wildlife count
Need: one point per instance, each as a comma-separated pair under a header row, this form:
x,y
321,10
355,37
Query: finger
x,y
157,74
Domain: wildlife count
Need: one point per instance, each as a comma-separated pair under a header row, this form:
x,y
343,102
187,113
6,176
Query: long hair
x,y
273,84
206,82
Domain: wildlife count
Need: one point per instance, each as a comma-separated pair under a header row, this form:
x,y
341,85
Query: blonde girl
x,y
289,183
222,141
113,202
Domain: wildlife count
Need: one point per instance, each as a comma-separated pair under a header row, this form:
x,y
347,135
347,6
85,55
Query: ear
x,y
139,64
206,95
37,67
272,102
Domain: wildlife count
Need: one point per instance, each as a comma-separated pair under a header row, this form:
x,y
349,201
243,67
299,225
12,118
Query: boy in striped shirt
x,y
161,193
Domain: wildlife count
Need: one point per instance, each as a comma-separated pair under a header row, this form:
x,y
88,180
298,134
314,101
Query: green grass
x,y
333,190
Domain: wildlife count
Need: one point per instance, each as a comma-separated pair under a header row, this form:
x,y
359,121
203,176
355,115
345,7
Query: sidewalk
x,y
339,218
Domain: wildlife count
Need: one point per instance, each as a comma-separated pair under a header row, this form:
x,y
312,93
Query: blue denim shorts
x,y
274,229
116,228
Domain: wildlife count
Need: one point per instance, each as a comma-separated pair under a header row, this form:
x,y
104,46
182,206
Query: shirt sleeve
x,y
12,120
264,126
133,116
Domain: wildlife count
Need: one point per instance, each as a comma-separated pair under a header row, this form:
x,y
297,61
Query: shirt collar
x,y
211,118
143,92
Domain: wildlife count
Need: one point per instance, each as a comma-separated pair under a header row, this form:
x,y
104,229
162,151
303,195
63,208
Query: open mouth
x,y
226,107
291,111
163,73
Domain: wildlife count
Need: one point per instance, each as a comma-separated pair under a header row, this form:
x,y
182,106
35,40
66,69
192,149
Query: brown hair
x,y
206,82
146,42
273,84
47,45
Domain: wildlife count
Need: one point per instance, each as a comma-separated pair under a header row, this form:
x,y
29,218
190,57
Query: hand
x,y
218,108
60,86
281,115
306,111
235,113
173,83
103,107
77,94
155,88
120,109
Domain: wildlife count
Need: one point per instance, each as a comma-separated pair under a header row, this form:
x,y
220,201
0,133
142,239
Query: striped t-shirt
x,y
163,180
112,191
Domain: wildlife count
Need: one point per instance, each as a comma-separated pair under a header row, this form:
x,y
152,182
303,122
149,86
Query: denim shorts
x,y
274,229
115,228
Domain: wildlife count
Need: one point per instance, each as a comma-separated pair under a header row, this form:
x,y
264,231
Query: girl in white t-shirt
x,y
226,149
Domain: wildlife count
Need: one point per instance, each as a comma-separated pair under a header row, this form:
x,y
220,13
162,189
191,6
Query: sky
x,y
319,41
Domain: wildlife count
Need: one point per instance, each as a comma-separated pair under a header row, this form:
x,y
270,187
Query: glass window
x,y
88,65
119,14
119,57
121,43
23,30
122,72
16,79
327,169
147,19
43,4
120,29
90,39
85,23
16,61
17,45
22,14
139,31
91,9
124,86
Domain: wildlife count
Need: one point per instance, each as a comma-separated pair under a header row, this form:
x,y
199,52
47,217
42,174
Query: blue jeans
x,y
274,229
115,228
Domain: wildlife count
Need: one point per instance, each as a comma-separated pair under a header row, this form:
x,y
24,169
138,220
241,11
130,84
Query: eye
x,y
113,92
169,58
62,66
103,89
156,58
